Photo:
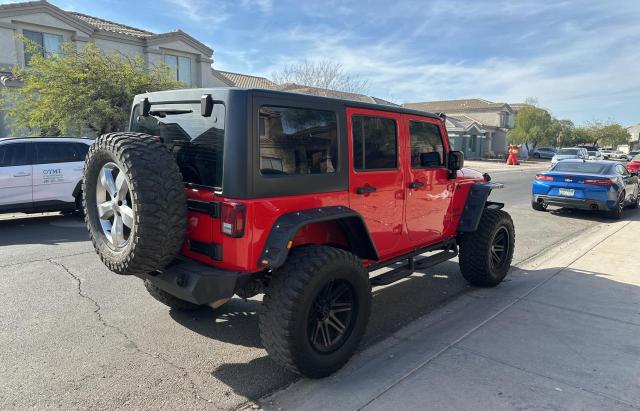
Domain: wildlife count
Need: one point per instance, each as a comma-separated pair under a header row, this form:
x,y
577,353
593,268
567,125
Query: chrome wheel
x,y
115,208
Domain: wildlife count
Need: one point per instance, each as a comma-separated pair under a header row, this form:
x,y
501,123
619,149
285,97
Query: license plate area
x,y
567,192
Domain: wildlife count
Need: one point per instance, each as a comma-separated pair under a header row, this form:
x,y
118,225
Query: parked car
x,y
544,152
631,154
41,173
216,192
618,155
606,153
590,185
595,155
570,153
634,164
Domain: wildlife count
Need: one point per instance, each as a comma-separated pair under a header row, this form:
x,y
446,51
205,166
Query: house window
x,y
48,44
180,67
504,120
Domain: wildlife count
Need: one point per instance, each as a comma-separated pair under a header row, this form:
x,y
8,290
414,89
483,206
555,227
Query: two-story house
x,y
42,22
475,126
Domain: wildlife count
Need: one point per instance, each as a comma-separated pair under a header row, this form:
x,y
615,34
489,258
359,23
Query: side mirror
x,y
431,159
455,161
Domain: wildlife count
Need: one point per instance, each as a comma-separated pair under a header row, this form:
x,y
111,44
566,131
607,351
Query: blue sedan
x,y
589,185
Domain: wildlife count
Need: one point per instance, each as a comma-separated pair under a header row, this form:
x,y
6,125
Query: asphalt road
x,y
74,335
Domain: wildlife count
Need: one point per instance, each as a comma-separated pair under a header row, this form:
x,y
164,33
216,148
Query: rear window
x,y
568,152
196,141
577,167
297,141
636,158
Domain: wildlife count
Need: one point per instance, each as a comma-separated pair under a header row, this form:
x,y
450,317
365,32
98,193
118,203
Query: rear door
x,y
428,186
57,170
16,176
376,182
629,181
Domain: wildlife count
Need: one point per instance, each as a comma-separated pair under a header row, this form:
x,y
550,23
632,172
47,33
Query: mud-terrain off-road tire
x,y
478,250
169,300
298,301
155,196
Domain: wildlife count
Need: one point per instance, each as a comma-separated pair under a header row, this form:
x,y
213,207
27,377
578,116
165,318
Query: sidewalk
x,y
562,332
496,166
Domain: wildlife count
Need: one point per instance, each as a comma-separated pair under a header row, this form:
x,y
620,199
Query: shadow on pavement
x,y
43,229
597,216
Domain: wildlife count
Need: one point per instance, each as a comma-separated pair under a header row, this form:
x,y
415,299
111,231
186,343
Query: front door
x,y
15,175
429,189
376,178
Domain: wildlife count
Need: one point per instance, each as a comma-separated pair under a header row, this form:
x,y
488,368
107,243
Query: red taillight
x,y
543,177
232,216
599,182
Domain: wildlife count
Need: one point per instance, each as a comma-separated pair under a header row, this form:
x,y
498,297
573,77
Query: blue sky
x,y
579,58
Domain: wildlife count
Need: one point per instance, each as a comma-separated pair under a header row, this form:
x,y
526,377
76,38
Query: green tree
x,y
610,134
533,126
562,132
79,89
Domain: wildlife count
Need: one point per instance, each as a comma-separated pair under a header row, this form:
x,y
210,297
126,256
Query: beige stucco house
x,y
634,141
50,26
475,126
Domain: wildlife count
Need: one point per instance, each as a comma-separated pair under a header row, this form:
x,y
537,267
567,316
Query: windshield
x,y
568,152
582,167
196,141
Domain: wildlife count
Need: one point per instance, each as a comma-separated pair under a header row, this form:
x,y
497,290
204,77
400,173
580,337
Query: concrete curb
x,y
379,368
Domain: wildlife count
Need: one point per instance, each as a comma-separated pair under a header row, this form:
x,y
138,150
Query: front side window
x,y
425,138
375,143
297,141
48,44
53,152
180,67
12,155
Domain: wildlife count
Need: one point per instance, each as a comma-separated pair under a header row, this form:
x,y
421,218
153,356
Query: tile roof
x,y
106,25
448,106
316,91
244,80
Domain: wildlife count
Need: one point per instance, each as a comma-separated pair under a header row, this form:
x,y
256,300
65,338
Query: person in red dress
x,y
512,160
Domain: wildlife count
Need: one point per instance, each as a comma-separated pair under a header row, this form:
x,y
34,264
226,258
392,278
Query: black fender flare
x,y
475,203
275,251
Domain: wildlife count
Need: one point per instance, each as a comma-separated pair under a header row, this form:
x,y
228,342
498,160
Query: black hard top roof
x,y
196,93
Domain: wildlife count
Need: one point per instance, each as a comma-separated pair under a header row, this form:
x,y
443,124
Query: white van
x,y
41,173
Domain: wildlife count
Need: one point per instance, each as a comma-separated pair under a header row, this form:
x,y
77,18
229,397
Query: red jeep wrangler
x,y
218,192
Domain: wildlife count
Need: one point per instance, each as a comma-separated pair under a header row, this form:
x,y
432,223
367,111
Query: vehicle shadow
x,y
596,216
236,322
51,229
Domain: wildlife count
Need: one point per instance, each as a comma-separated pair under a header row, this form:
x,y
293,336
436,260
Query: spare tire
x,y
134,201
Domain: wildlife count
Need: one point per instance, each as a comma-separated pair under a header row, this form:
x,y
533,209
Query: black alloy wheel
x,y
330,318
500,249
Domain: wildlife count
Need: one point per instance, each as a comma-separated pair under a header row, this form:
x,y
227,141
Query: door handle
x,y
22,174
365,190
416,184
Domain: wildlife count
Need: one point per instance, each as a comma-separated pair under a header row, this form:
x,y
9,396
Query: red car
x,y
219,192
634,164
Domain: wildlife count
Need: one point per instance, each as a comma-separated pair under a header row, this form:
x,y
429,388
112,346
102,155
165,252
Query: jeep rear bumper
x,y
195,282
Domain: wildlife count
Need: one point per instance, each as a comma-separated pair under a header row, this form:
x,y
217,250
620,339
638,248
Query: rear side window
x,y
297,141
375,143
13,155
425,138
